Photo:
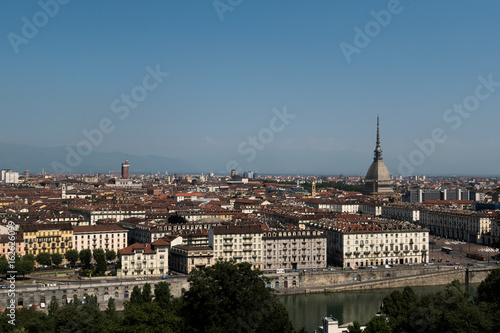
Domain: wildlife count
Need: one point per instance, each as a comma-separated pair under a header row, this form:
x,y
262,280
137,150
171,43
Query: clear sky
x,y
332,65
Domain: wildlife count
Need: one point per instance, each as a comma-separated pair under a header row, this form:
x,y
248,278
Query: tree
x,y
377,324
97,253
136,296
4,265
29,257
146,293
489,290
86,258
232,297
72,257
24,267
354,328
110,255
57,259
43,258
162,295
53,307
100,259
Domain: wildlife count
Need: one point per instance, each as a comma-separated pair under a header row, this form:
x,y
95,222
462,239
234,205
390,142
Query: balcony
x,y
366,253
348,253
357,253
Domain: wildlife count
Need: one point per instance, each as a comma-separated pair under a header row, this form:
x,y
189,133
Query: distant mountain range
x,y
68,160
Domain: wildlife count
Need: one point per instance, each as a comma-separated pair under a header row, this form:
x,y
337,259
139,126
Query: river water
x,y
307,310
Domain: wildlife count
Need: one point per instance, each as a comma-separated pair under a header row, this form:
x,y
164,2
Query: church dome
x,y
378,171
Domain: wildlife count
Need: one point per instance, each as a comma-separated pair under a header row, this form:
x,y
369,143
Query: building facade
x,y
461,225
50,238
241,243
293,249
375,243
108,237
146,259
185,258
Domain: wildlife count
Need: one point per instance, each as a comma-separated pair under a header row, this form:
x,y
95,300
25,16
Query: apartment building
x,y
242,243
402,211
146,259
6,248
109,212
51,238
457,224
185,258
109,237
375,243
294,249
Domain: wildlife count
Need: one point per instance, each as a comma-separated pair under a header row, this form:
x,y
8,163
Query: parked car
x,y
372,267
388,266
164,277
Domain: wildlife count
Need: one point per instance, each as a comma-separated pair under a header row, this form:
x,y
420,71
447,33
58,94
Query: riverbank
x,y
378,279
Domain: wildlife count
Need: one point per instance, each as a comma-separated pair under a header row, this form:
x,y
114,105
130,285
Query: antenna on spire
x,y
378,150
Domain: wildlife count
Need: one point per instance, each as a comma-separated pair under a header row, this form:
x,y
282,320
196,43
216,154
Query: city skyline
x,y
276,88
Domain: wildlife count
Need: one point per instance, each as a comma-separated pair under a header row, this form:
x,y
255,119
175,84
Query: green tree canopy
x,y
232,297
100,258
29,257
110,255
24,267
43,258
72,257
86,258
97,253
146,293
4,265
489,290
57,259
162,295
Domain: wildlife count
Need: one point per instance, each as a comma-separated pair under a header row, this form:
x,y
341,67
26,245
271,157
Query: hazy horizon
x,y
285,88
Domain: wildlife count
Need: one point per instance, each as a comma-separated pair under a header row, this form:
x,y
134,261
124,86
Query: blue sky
x,y
227,76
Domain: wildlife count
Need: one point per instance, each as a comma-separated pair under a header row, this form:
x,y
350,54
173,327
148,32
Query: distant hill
x,y
55,160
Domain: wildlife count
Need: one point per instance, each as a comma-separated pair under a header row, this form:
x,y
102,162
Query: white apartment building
x,y
293,249
402,211
333,205
242,243
375,243
108,237
100,213
461,225
146,259
10,177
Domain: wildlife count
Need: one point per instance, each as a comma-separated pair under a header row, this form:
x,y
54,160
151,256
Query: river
x,y
307,310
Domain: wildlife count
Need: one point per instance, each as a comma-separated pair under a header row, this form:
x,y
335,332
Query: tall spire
x,y
378,150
